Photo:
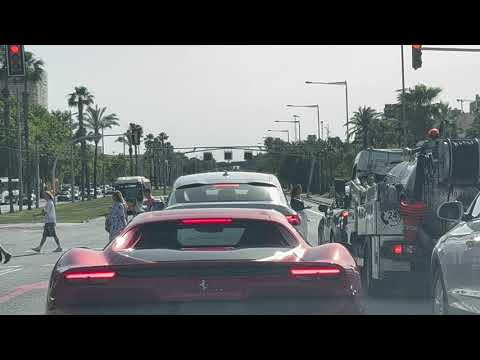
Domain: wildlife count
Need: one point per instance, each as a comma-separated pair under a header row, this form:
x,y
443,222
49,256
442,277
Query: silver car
x,y
231,190
456,261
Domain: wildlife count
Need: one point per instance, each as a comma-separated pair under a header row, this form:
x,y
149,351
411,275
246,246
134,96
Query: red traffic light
x,y
15,49
416,56
15,60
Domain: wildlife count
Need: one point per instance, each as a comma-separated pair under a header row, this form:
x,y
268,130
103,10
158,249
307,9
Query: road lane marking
x,y
20,290
48,264
8,271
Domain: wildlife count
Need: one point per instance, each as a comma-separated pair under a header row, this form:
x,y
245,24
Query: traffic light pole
x,y
404,116
449,49
28,171
6,114
20,164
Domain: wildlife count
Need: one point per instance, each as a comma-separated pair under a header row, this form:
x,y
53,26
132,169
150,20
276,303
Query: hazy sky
x,y
231,95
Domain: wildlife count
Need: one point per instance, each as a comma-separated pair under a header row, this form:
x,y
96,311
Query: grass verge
x,y
66,212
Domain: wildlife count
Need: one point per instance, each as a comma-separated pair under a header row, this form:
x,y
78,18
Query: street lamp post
x,y
292,122
318,114
346,97
298,121
461,101
288,133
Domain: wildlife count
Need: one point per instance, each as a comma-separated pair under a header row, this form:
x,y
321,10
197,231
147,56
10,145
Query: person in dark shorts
x,y
50,220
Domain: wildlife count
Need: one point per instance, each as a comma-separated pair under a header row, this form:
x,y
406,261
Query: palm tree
x,y
362,122
446,118
420,108
80,98
149,143
123,140
139,130
97,121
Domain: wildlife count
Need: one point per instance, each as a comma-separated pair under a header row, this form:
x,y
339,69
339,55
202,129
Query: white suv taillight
x,y
294,219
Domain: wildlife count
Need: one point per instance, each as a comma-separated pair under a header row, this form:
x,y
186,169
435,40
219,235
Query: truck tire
x,y
370,285
439,298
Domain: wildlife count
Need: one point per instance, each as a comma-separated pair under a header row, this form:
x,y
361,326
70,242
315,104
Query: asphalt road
x,y
23,281
389,303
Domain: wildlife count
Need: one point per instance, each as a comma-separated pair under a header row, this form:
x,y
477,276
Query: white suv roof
x,y
226,177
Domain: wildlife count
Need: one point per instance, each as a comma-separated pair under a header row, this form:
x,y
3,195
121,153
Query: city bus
x,y
132,189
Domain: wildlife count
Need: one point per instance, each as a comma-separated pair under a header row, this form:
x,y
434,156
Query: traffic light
x,y
228,155
416,56
248,155
207,156
15,60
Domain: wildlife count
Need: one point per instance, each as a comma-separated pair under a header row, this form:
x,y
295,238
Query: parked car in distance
x,y
25,199
64,196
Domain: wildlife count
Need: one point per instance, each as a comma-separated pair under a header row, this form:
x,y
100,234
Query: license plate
x,y
390,265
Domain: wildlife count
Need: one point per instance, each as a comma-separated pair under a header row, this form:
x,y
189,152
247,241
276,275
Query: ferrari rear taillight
x,y
209,221
294,219
90,275
317,271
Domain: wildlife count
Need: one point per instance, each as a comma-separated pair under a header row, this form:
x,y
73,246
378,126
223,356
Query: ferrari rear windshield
x,y
237,234
227,193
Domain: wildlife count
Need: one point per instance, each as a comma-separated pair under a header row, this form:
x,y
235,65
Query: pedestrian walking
x,y
298,205
50,220
150,200
4,254
117,220
139,203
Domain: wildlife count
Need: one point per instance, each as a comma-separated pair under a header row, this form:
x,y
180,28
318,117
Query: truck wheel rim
x,y
438,299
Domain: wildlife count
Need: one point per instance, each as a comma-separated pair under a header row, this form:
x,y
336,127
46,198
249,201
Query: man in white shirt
x,y
50,220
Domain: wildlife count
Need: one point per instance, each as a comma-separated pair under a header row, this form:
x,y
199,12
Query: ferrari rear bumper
x,y
339,305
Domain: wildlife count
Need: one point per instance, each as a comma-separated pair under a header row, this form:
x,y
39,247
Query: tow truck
x,y
389,222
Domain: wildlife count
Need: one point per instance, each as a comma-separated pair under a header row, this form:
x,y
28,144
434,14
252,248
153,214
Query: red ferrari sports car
x,y
207,261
